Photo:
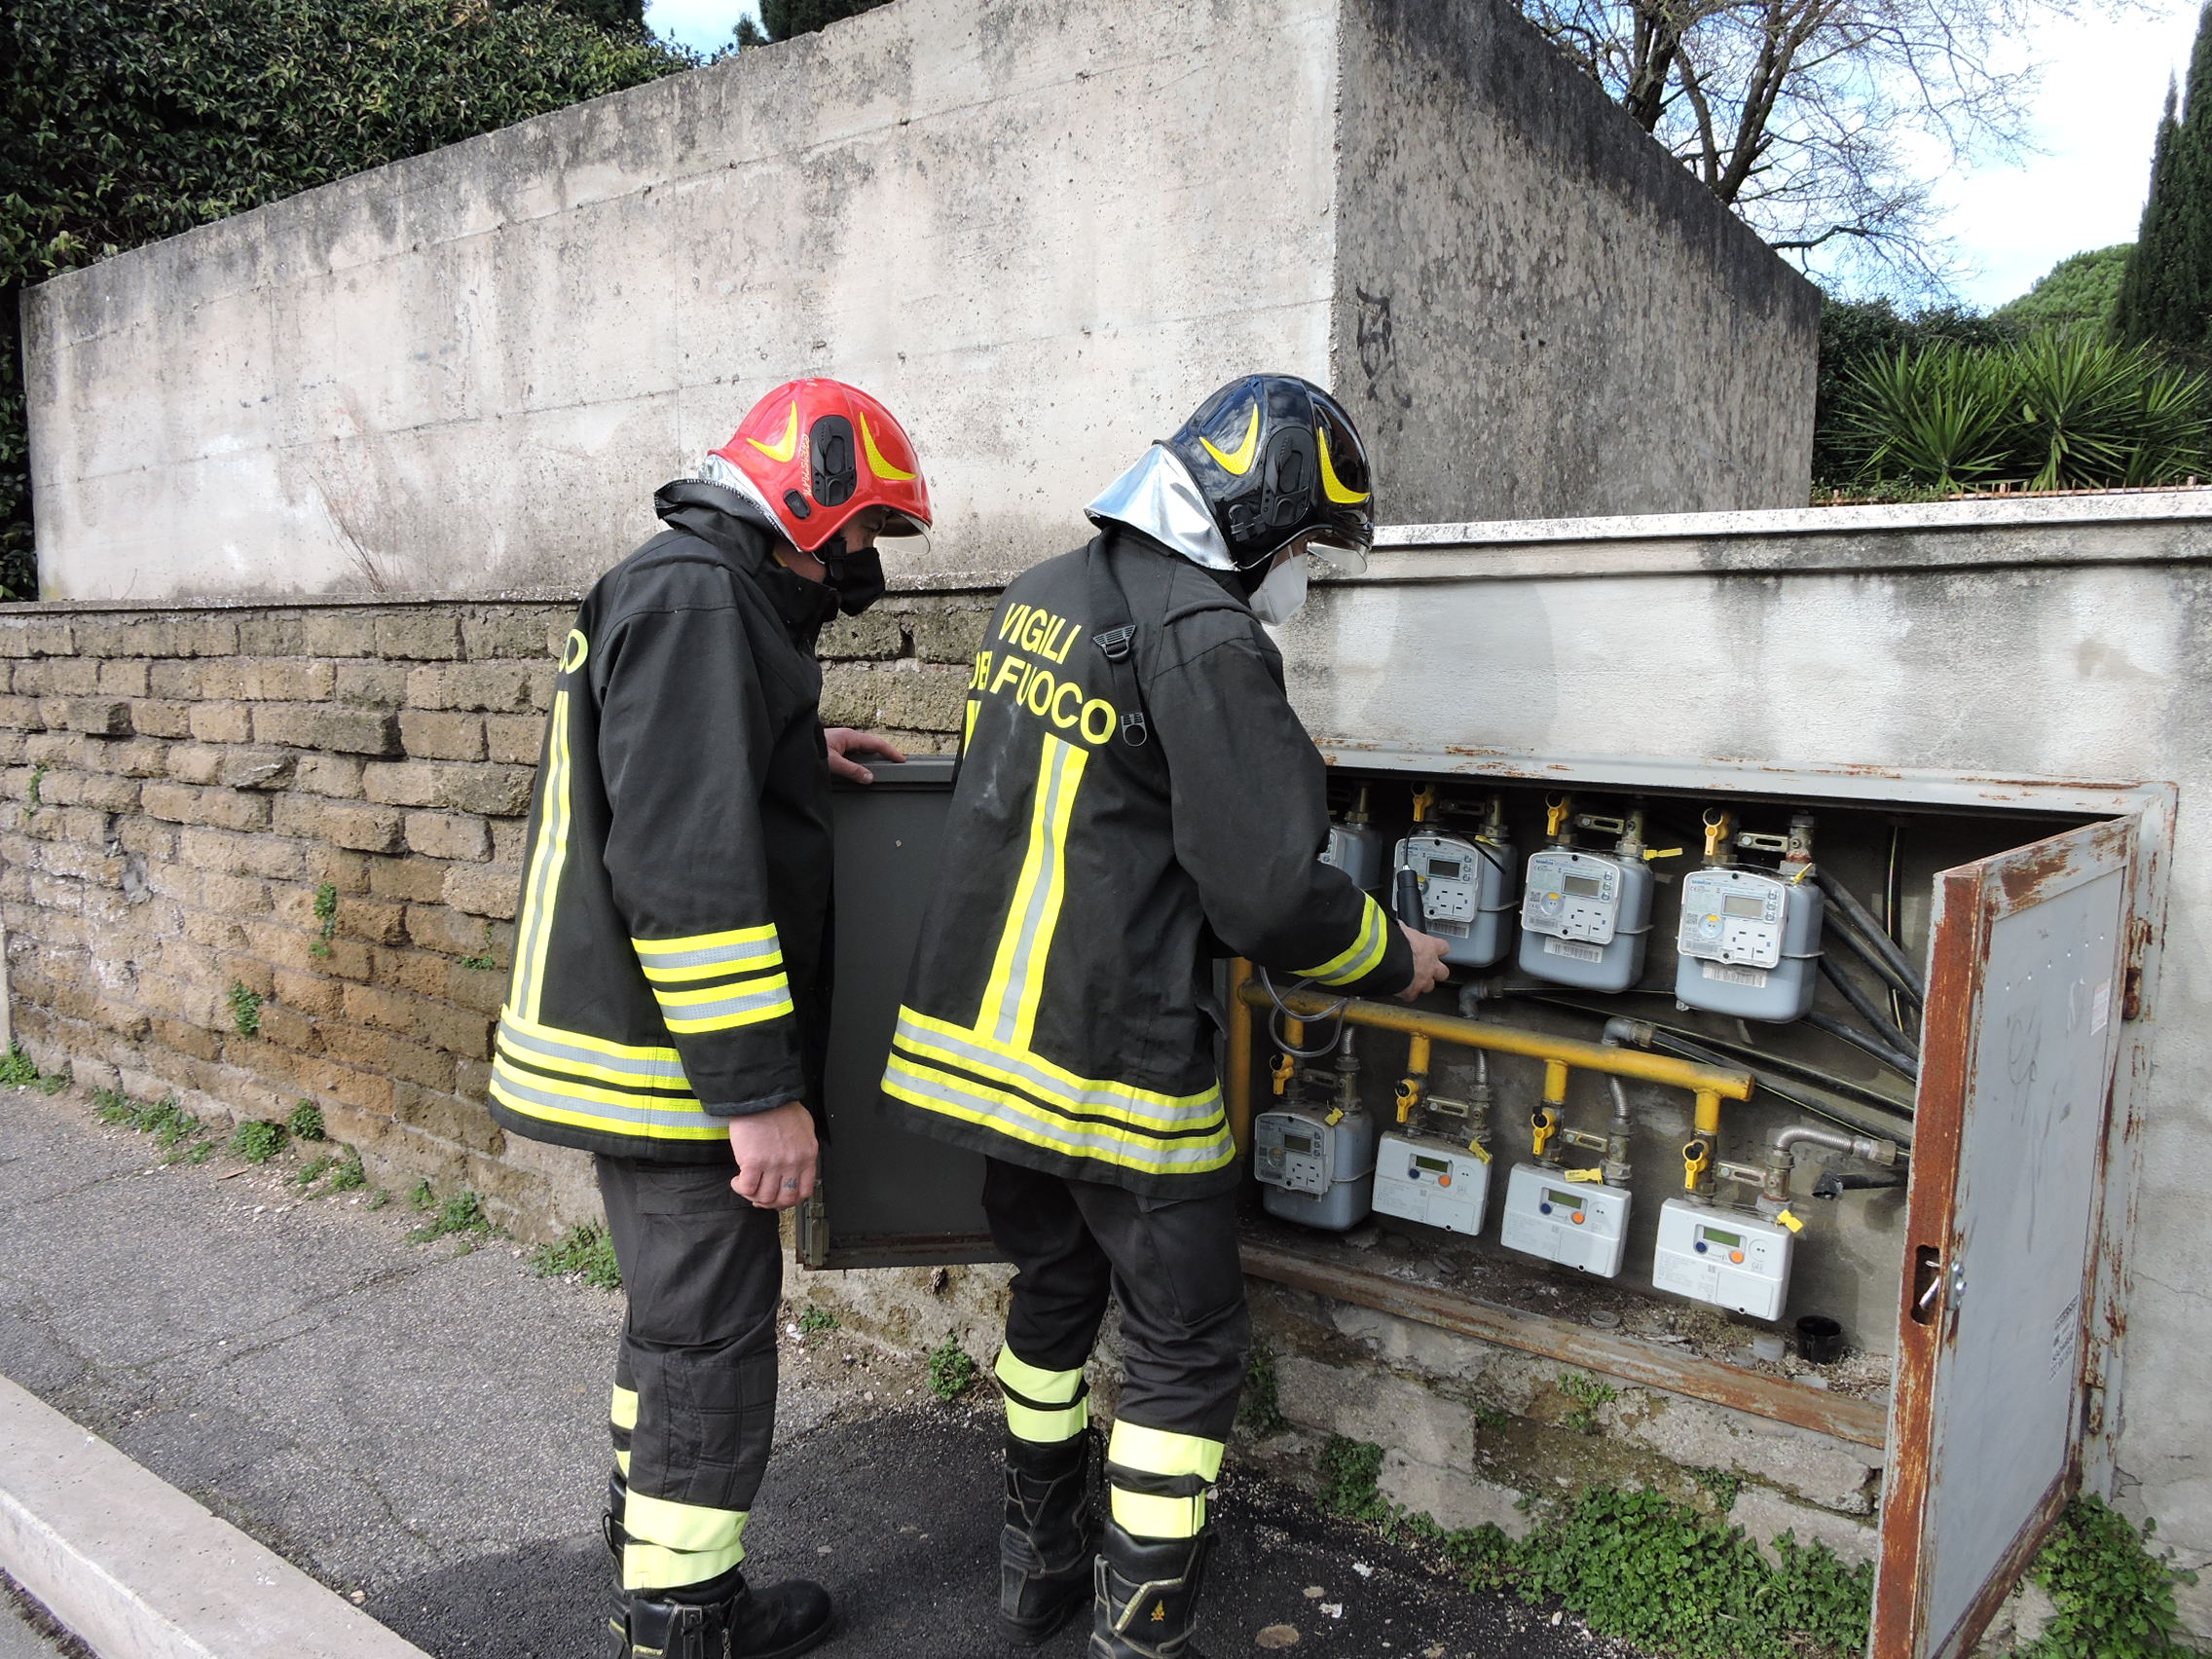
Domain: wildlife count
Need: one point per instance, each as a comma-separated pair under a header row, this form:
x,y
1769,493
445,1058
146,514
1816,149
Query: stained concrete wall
x,y
1896,649
1041,229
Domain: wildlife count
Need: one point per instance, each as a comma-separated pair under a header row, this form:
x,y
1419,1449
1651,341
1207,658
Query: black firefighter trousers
x,y
1173,1266
695,1379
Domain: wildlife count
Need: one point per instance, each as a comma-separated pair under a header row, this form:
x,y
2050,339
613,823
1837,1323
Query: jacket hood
x,y
1159,498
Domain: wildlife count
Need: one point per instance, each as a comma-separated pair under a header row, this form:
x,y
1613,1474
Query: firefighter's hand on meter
x,y
776,1153
843,742
1429,962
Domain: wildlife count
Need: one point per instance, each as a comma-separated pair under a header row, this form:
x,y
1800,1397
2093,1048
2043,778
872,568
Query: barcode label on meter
x,y
1445,927
1574,947
1754,976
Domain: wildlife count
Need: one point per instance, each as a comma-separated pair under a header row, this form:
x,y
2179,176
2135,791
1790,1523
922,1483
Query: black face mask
x,y
857,579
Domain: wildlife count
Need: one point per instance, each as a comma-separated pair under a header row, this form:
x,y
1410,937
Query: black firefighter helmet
x,y
1277,458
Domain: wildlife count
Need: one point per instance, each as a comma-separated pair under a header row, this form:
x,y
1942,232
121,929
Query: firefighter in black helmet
x,y
1136,798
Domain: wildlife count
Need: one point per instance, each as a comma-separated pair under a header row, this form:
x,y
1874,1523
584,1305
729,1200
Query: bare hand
x,y
1429,970
843,741
776,1156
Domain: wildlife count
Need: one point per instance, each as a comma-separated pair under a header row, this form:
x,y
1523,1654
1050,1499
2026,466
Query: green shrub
x,y
814,1320
951,1373
306,1122
586,1251
257,1141
1350,1470
2114,1598
2062,411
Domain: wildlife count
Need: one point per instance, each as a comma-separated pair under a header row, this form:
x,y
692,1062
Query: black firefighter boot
x,y
1147,1601
725,1618
1048,1541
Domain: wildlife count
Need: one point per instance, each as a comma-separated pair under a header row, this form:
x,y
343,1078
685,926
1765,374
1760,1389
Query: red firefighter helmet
x,y
820,451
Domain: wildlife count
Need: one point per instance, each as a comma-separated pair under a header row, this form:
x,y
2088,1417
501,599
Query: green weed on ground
x,y
586,1251
2114,1599
813,1320
1585,1395
257,1141
306,1122
1260,1409
464,1213
347,1175
951,1373
1636,1567
170,1123
18,1070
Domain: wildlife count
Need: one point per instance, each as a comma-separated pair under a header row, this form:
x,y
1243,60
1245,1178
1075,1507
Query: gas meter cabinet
x,y
1962,1241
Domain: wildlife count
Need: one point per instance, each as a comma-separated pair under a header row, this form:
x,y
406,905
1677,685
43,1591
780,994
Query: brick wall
x,y
178,786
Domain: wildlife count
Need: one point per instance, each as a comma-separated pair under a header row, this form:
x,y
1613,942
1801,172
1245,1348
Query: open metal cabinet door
x,y
888,1197
2021,1030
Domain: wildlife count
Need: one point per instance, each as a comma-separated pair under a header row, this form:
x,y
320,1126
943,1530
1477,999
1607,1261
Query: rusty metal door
x,y
888,1197
2019,1046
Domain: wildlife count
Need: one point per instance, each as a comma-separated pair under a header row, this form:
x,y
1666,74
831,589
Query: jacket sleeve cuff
x,y
1394,974
747,1108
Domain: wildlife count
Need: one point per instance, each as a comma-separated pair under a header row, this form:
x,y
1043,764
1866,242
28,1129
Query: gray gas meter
x,y
1584,919
1312,1170
1466,892
1356,849
1749,943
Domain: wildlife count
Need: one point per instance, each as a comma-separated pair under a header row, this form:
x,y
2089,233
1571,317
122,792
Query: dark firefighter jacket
x,y
671,950
1056,1013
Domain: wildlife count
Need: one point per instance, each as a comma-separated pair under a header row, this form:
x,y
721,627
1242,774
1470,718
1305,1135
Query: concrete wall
x,y
2058,638
1535,304
1041,229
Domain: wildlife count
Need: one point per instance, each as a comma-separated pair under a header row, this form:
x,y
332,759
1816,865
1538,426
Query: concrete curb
x,y
139,1571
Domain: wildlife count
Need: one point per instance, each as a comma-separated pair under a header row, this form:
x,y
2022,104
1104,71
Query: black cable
x,y
1894,1058
1868,1009
1783,1089
1720,1051
1840,930
1886,946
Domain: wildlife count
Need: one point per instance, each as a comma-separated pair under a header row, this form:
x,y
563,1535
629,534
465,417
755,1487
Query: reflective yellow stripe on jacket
x,y
564,1077
989,1075
717,981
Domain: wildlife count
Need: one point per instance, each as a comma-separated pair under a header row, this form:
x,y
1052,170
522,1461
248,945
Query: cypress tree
x,y
2165,295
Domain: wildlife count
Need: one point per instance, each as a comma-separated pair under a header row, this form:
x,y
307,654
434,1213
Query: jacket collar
x,y
735,525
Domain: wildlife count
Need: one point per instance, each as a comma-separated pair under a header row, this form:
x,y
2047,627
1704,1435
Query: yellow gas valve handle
x,y
1556,811
1409,1096
1546,1123
1596,1176
1789,1221
1280,1071
1697,1158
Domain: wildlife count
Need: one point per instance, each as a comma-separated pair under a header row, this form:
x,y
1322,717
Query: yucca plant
x,y
2062,412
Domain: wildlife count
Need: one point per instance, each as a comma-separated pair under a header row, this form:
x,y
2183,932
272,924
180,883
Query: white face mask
x,y
1276,600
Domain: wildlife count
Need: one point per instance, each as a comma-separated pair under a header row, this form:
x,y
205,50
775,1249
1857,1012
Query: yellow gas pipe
x,y
1710,1085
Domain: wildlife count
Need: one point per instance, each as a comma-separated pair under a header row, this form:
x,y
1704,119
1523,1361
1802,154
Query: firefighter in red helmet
x,y
669,1005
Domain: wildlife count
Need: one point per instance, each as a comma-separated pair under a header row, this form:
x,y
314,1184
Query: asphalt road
x,y
422,1427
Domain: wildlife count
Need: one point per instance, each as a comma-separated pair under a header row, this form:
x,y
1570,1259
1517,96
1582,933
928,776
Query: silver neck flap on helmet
x,y
1158,498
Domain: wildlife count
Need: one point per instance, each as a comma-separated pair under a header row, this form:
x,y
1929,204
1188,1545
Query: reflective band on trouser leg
x,y
669,1545
1159,1480
621,1422
1048,1406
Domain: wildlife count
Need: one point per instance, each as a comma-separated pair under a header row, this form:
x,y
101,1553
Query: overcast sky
x,y
2096,115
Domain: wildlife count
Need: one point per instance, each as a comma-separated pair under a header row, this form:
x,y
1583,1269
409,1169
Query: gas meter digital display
x,y
1577,1224
1312,1171
1356,849
1731,1260
1748,944
1437,1181
1466,892
1584,919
